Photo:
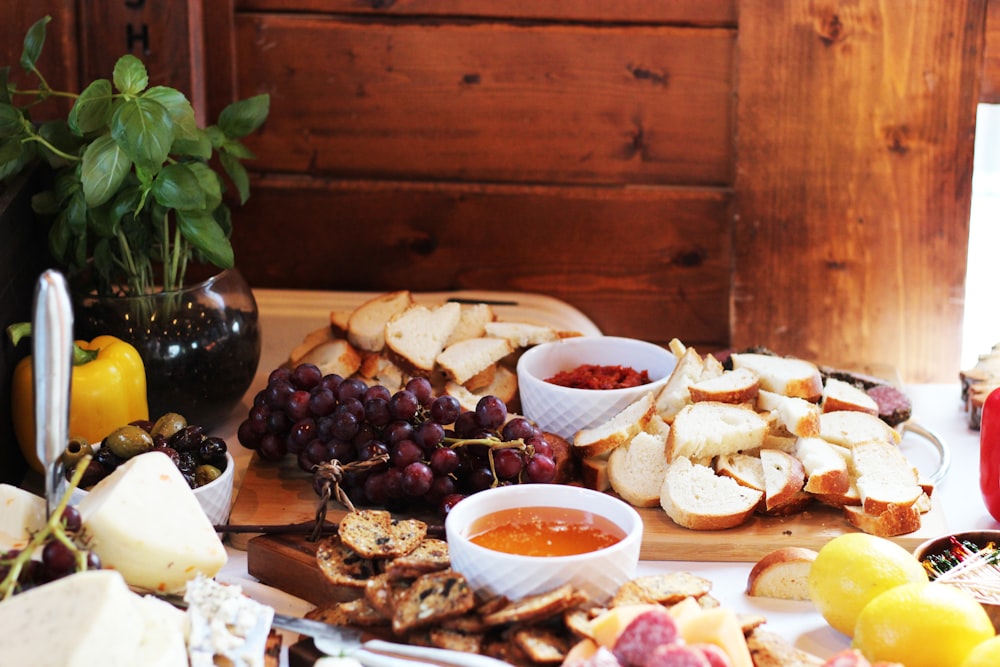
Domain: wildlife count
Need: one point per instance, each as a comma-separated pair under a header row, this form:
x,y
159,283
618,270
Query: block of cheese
x,y
21,513
225,627
82,620
145,521
162,643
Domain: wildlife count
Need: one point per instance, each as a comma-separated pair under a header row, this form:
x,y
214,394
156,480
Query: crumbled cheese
x,y
221,621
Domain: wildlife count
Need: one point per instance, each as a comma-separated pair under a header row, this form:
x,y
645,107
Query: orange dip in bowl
x,y
545,531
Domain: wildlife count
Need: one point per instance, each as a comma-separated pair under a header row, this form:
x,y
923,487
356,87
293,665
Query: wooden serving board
x,y
283,494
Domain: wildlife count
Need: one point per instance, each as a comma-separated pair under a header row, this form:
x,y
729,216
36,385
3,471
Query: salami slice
x,y
714,654
677,655
894,406
646,632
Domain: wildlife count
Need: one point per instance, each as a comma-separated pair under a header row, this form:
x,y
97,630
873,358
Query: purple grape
x,y
421,388
297,406
491,412
351,388
444,461
428,435
377,411
405,452
72,521
344,424
417,479
354,406
480,479
376,391
445,409
540,469
278,423
331,382
517,428
57,559
280,374
508,463
540,444
396,431
278,393
300,434
272,447
441,487
322,401
375,489
449,502
466,425
403,405
246,435
306,376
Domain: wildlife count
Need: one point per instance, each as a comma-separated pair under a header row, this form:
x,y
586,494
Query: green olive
x,y
168,424
75,451
128,441
205,473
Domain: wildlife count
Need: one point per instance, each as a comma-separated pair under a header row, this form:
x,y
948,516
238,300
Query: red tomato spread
x,y
592,376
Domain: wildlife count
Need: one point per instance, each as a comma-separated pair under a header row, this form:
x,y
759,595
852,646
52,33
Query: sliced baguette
x,y
521,334
894,520
417,335
850,427
594,473
708,429
744,468
694,497
503,386
636,469
797,415
309,341
339,320
366,325
737,386
621,428
782,574
471,322
840,395
826,469
784,478
467,358
884,477
675,394
335,356
783,375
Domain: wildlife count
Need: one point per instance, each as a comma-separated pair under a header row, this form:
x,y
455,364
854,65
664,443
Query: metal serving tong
x,y
52,359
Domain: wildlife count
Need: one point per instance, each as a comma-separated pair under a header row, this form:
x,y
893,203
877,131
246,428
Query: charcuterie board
x,y
283,494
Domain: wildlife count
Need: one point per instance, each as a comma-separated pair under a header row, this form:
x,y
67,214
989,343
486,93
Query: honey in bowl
x,y
545,531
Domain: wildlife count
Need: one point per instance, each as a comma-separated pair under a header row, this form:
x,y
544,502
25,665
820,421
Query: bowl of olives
x,y
203,460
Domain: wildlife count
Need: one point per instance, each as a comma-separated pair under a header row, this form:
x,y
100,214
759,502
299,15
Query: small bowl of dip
x,y
526,539
581,365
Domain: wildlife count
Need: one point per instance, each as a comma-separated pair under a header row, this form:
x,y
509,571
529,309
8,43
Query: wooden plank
x,y
990,91
283,494
854,168
650,263
167,36
690,12
490,102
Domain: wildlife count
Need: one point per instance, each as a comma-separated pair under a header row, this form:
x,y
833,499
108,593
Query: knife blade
x,y
52,360
337,641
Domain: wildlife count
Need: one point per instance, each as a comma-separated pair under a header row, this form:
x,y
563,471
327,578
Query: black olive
x,y
186,463
94,473
213,451
107,459
187,439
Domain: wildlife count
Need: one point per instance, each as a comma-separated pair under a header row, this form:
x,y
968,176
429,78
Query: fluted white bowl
x,y
566,410
599,573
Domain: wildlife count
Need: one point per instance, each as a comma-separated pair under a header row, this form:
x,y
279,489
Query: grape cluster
x,y
61,552
430,449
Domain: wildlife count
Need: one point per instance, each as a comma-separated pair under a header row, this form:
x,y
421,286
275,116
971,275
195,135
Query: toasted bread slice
x,y
826,468
892,521
676,393
521,334
884,477
746,469
467,358
783,375
840,395
430,599
708,428
335,356
503,386
850,427
782,574
797,415
737,386
309,341
694,497
472,322
366,325
636,469
376,534
784,478
417,336
618,430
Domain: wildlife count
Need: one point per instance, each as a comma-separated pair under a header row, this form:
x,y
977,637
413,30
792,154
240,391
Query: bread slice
x,y
416,336
708,428
884,477
782,574
783,375
503,386
797,415
894,520
636,469
618,430
309,341
366,326
850,427
826,468
675,394
840,395
522,334
744,468
472,322
737,386
594,473
694,497
335,356
467,358
339,322
784,478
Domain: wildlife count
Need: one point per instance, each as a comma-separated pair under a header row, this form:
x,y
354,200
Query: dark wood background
x,y
727,172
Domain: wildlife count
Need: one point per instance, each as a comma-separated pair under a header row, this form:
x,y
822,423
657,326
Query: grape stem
x,y
53,527
330,474
493,444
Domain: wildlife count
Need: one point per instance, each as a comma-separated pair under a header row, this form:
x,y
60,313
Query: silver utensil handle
x,y
379,653
52,359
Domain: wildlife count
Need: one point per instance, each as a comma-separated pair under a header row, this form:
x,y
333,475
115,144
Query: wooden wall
x,y
729,172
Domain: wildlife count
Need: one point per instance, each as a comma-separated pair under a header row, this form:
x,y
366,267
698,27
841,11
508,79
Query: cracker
x,y
668,588
376,534
432,598
537,607
353,612
341,565
541,645
381,593
431,555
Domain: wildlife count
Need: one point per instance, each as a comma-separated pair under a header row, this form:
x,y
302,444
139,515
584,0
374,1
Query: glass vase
x,y
200,345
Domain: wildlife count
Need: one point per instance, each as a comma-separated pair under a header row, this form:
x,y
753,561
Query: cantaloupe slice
x,y
717,626
606,627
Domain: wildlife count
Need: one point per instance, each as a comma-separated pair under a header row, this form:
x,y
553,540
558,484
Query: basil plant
x,y
134,194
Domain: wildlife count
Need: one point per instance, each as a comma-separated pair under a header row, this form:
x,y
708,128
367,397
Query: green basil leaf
x,y
57,133
177,186
11,121
244,116
237,149
59,237
92,110
76,213
209,182
179,108
14,167
200,146
104,259
33,42
130,75
238,173
102,221
204,234
215,135
126,202
44,203
105,165
4,91
142,127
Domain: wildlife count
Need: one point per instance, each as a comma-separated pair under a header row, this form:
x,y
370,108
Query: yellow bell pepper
x,y
107,390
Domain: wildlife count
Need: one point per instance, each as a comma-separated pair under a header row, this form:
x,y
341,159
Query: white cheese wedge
x,y
224,626
82,620
162,643
21,514
145,521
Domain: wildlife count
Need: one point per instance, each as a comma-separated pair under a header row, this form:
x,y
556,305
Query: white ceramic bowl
x,y
215,497
489,572
565,410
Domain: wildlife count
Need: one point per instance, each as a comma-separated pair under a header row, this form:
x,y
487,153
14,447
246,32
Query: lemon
x,y
853,568
922,625
984,654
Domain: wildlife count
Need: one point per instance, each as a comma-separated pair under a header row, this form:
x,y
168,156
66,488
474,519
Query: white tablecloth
x,y
286,317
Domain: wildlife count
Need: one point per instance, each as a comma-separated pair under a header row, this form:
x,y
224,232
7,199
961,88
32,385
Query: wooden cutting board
x,y
283,494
